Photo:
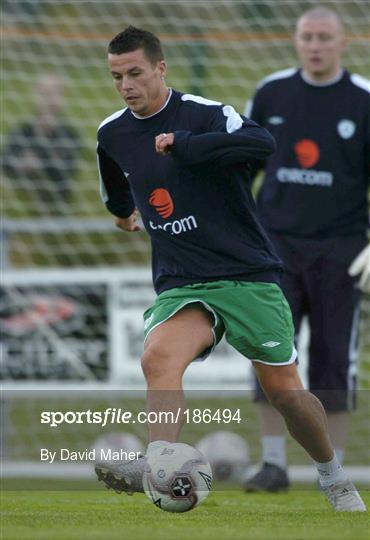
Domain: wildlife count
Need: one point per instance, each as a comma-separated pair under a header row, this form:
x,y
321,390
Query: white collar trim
x,y
161,109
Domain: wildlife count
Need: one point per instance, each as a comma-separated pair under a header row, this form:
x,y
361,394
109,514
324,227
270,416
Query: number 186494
x,y
206,416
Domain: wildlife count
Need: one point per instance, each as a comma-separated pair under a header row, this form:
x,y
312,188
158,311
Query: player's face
x,y
139,82
320,44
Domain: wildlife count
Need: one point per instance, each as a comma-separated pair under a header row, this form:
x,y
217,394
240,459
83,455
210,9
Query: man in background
x,y
40,156
313,203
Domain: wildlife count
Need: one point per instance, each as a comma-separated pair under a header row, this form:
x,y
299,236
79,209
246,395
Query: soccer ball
x,y
227,453
178,477
112,443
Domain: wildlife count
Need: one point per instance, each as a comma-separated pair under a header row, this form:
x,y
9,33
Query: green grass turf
x,y
99,514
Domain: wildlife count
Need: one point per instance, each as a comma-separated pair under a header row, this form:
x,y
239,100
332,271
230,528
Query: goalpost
x,y
73,287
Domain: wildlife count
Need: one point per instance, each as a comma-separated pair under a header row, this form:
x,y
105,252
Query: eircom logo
x,y
178,226
163,203
307,154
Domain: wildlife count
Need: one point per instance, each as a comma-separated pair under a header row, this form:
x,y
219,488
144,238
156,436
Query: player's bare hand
x,y
129,224
163,143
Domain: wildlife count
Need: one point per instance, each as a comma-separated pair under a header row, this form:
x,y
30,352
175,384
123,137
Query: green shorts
x,y
254,316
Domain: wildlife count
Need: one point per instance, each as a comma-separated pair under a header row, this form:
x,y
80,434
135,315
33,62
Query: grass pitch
x,y
99,514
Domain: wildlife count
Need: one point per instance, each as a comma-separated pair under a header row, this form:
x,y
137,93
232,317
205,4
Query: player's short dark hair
x,y
132,39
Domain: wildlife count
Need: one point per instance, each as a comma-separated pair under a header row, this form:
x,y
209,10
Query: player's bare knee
x,y
157,361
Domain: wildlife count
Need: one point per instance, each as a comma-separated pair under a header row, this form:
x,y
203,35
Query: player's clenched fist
x,y
163,143
129,224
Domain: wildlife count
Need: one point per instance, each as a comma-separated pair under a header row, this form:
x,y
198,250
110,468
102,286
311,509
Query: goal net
x,y
54,64
67,321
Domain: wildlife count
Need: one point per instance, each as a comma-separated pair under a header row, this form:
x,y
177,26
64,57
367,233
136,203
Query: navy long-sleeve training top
x,y
317,181
195,202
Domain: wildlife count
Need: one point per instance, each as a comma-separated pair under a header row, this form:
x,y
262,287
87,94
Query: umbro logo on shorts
x,y
271,344
148,321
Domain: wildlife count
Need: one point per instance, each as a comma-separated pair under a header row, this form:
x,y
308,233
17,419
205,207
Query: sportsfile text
x,y
108,416
120,416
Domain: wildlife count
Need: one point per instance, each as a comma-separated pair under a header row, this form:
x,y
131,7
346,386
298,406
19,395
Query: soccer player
x,y
182,162
313,204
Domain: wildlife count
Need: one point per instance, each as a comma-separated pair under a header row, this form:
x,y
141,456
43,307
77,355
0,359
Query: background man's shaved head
x,y
321,13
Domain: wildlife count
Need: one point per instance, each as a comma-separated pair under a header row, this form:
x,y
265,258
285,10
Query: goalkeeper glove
x,y
361,266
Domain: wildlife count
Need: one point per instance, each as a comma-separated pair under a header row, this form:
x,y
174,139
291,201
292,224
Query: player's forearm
x,y
255,167
116,195
251,142
122,208
114,188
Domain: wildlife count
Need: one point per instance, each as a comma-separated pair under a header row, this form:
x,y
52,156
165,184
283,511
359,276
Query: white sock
x,y
156,444
273,450
330,472
339,452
